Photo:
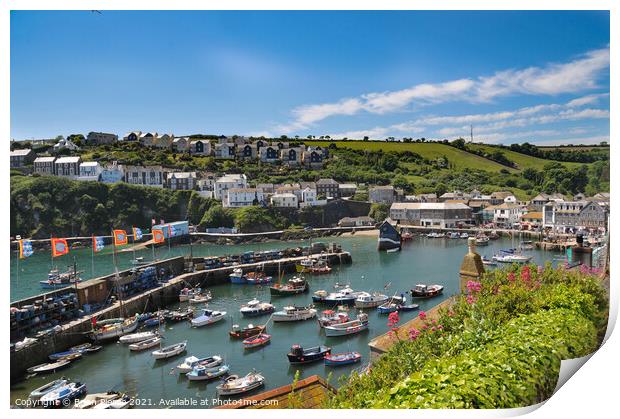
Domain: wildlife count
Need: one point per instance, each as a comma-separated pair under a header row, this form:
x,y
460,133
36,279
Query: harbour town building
x,y
438,214
44,166
227,182
181,180
571,216
68,166
328,188
242,197
90,170
22,157
100,138
145,176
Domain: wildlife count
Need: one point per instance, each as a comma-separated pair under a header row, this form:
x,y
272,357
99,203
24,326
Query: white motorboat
x,y
464,236
293,313
202,373
208,317
137,337
368,300
69,391
454,235
482,240
193,362
39,392
255,308
145,344
113,328
511,258
201,298
170,351
348,328
236,385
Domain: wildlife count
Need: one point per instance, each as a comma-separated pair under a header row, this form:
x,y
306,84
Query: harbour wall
x,y
76,332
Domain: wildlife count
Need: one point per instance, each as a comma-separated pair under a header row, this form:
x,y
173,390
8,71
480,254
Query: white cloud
x,y
574,76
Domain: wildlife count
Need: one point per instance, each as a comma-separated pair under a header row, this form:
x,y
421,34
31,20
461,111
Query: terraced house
x,y
571,216
437,214
145,176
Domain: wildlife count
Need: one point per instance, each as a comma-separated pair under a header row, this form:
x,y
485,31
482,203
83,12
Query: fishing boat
x,y
299,355
145,344
368,300
344,296
426,291
526,245
179,315
344,358
241,333
202,373
305,265
57,279
193,362
39,392
201,298
320,268
464,236
237,277
389,237
69,391
257,278
293,314
493,235
208,317
406,236
487,261
137,337
49,367
187,293
454,235
113,328
256,341
236,385
295,285
170,351
330,317
348,328
511,258
482,240
107,400
256,308
155,321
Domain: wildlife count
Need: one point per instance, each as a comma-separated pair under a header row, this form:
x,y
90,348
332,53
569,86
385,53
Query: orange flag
x,y
59,247
158,236
120,237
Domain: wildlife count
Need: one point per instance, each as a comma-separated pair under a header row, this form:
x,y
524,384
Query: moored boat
x,y
238,385
57,397
426,291
113,328
256,308
294,313
299,355
187,293
57,279
49,367
256,341
201,373
179,315
330,317
482,240
237,277
344,358
137,337
489,262
527,245
145,344
208,317
101,401
344,296
295,285
348,328
193,362
368,300
511,258
39,392
257,278
241,333
170,351
305,265
203,297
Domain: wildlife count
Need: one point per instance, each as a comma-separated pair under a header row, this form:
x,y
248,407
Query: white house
x,y
64,144
242,197
68,166
284,200
90,170
507,214
227,182
145,176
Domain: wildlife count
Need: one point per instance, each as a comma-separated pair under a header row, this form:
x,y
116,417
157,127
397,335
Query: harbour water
x,y
422,260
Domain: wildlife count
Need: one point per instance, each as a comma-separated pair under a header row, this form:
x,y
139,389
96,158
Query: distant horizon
x,y
415,74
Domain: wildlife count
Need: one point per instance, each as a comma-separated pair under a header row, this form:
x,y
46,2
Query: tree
x,y
217,216
440,189
379,212
459,143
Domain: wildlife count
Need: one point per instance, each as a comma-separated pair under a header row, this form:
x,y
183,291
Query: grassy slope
x,y
522,160
460,158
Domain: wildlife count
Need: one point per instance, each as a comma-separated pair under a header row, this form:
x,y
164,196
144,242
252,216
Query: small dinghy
x,y
426,291
255,308
202,373
180,315
299,355
145,344
70,391
37,393
235,385
256,341
201,298
388,307
50,367
345,358
193,362
137,337
170,351
348,328
238,333
409,307
208,317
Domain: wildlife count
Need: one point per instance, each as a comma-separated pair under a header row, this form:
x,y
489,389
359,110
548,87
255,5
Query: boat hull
x,y
339,330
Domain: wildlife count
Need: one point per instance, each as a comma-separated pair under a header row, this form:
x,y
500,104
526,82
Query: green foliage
x,y
216,216
500,346
256,219
379,212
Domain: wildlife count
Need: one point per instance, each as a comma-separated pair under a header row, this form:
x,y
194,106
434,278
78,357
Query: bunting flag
x,y
25,249
137,234
59,247
158,236
171,231
120,237
98,243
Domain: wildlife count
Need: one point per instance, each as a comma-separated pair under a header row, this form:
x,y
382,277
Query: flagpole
x,y
17,278
114,252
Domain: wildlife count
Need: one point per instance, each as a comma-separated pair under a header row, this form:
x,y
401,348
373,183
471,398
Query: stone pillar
x,y
472,267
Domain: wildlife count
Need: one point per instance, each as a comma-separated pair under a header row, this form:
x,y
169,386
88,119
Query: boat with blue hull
x,y
345,358
389,237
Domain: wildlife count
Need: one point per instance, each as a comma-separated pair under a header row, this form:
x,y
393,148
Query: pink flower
x,y
473,287
440,327
424,327
422,315
434,321
511,276
471,299
450,313
393,319
414,333
526,274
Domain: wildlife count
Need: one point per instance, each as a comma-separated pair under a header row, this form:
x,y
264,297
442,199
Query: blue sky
x,y
541,77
